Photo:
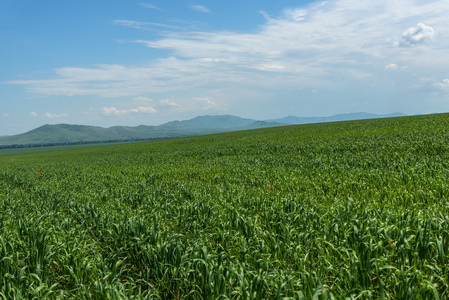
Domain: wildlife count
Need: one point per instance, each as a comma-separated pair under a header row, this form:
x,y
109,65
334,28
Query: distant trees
x,y
18,146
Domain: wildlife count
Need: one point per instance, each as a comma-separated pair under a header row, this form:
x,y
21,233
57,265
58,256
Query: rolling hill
x,y
78,134
73,134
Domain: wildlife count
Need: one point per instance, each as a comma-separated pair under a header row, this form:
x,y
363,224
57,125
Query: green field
x,y
354,210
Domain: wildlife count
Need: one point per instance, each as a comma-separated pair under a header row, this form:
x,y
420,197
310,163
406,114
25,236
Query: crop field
x,y
347,210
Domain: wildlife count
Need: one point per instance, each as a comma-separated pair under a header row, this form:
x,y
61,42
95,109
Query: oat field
x,y
346,210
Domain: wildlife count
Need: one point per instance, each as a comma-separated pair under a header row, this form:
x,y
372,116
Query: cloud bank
x,y
322,47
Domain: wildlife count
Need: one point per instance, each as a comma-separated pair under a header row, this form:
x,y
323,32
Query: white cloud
x,y
131,24
324,46
118,81
417,35
170,103
271,67
432,85
143,109
391,67
444,84
33,114
112,111
5,115
200,8
53,116
145,25
205,102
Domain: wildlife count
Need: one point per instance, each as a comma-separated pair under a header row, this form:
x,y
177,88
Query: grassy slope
x,y
350,209
65,133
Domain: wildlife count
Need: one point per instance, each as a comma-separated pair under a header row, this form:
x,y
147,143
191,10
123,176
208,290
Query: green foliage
x,y
349,210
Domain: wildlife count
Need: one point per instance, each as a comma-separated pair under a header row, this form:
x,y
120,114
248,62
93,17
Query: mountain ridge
x,y
292,120
59,134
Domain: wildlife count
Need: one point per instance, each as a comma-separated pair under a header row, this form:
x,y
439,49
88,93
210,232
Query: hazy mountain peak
x,y
212,121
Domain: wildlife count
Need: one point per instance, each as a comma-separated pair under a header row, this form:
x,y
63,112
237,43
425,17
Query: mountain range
x,y
78,134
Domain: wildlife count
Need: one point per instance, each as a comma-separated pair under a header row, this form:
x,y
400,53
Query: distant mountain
x,y
258,125
74,134
77,134
342,117
216,122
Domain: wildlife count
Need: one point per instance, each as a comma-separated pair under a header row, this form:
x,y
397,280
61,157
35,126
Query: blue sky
x,y
112,63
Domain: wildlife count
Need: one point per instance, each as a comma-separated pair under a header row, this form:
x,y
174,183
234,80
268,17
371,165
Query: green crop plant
x,y
347,210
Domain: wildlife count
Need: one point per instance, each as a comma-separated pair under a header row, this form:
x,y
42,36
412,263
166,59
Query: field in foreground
x,y
353,210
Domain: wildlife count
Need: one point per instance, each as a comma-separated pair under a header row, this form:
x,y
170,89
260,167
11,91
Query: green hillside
x,y
73,134
62,134
76,134
344,210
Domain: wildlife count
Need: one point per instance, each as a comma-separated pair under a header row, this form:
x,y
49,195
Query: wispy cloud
x,y
143,109
146,25
200,8
113,111
170,103
391,67
132,24
54,116
444,84
148,5
327,45
205,102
